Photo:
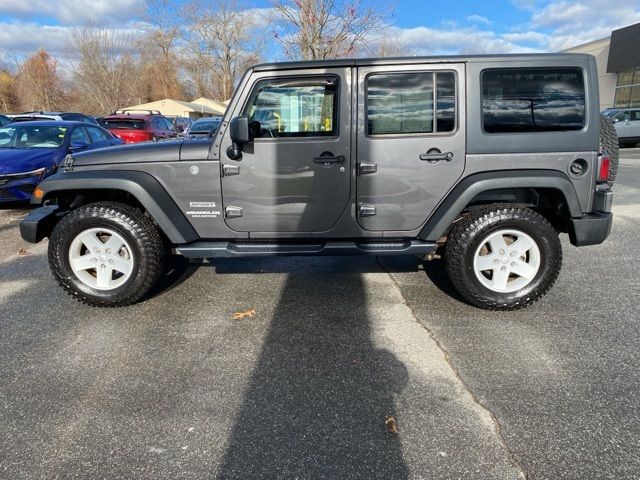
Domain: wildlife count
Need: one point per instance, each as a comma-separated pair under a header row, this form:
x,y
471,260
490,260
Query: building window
x,y
628,89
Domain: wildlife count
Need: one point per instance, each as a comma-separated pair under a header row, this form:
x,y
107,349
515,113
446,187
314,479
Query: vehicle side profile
x,y
485,160
627,124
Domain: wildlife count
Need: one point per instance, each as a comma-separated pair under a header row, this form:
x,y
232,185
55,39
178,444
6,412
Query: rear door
x,y
295,175
411,142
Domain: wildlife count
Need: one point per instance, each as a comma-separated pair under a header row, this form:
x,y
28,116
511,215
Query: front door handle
x,y
328,157
434,155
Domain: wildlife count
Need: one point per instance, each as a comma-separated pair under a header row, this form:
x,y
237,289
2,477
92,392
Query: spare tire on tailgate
x,y
609,146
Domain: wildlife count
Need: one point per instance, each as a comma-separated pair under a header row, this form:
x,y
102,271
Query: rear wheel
x,y
503,257
106,254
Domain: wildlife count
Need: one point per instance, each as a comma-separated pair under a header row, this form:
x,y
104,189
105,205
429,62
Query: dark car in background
x,y
56,116
204,127
134,127
31,151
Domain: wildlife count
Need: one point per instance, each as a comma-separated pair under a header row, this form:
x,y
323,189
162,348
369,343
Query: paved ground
x,y
175,388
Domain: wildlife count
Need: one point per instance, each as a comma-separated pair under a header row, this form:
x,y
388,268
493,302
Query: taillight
x,y
605,169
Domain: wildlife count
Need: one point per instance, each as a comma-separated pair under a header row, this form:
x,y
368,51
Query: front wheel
x,y
106,254
503,257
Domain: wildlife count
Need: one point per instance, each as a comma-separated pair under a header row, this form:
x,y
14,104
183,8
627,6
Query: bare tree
x,y
104,68
223,40
8,97
321,29
39,86
158,51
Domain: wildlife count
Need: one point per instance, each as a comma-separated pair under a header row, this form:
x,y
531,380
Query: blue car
x,y
31,151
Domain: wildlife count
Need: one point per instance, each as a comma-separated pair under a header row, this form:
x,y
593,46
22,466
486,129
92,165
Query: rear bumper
x,y
591,229
39,223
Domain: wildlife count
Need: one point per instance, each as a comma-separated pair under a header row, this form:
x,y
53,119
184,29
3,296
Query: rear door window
x,y
533,100
410,103
97,135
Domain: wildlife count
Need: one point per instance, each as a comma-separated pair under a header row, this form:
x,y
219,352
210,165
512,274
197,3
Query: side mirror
x,y
78,145
240,136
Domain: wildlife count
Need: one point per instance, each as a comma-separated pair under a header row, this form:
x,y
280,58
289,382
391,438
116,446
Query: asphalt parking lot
x,y
175,387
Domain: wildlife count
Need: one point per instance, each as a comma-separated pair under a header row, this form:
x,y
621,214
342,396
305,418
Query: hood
x,y
21,160
131,153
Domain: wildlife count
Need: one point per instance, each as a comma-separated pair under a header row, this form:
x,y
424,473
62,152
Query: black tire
x,y
468,235
148,252
609,145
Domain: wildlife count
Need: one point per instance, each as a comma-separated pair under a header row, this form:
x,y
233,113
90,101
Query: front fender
x,y
142,186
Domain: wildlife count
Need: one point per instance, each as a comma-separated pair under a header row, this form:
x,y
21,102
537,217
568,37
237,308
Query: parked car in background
x,y
204,127
56,116
182,124
135,127
627,124
31,151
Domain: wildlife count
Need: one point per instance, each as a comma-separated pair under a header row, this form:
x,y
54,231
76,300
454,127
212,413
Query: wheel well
x,y
548,202
69,199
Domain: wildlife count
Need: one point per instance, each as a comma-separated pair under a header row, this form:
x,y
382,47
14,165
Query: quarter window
x,y
294,108
410,103
533,100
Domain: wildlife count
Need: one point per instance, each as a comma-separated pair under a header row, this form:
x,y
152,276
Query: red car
x,y
134,126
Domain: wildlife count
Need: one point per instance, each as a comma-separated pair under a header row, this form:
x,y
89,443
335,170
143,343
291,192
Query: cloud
x,y
451,41
478,19
72,12
22,39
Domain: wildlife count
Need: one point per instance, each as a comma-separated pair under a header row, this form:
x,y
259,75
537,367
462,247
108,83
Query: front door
x,y
295,175
411,143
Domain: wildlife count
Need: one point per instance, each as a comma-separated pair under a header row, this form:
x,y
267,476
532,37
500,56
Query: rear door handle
x,y
328,157
434,156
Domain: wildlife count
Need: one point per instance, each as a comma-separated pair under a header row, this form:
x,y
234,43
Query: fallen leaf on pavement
x,y
240,315
391,424
22,252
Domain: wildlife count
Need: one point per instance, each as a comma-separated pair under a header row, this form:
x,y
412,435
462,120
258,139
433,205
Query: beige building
x,y
178,108
618,60
606,81
219,107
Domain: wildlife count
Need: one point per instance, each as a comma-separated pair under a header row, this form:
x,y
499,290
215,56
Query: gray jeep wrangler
x,y
487,158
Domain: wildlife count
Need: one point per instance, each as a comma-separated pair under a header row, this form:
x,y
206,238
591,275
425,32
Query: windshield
x,y
609,113
22,136
205,126
123,123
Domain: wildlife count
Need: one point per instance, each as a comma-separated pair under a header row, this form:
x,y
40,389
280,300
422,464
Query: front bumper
x,y
593,228
39,223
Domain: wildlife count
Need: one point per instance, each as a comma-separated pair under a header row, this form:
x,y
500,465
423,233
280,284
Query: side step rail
x,y
246,249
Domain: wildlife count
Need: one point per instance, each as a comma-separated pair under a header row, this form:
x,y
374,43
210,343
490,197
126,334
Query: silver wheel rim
x,y
506,261
101,258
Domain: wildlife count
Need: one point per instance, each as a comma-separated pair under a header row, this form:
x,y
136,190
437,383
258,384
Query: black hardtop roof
x,y
361,62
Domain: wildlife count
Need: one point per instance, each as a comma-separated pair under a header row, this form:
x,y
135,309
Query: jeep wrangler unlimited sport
x,y
488,158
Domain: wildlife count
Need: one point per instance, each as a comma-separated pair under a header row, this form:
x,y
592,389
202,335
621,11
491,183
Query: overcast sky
x,y
422,26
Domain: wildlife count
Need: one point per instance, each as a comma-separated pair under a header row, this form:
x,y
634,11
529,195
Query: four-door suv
x,y
627,124
487,159
133,126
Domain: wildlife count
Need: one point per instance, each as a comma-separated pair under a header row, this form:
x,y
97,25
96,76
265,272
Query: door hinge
x,y
367,168
366,210
228,170
233,212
